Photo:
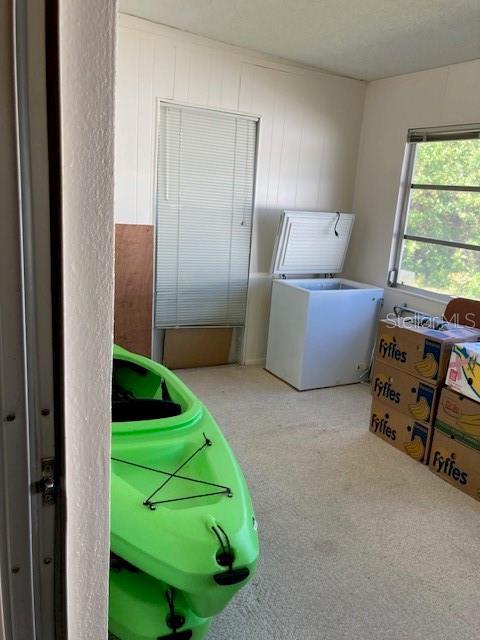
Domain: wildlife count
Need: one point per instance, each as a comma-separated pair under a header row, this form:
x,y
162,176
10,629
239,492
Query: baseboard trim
x,y
255,362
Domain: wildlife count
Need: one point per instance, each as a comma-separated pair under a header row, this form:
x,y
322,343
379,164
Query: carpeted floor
x,y
358,541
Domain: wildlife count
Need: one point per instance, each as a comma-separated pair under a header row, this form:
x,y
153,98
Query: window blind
x,y
443,134
204,201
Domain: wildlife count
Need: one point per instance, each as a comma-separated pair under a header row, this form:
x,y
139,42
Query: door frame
x,y
32,502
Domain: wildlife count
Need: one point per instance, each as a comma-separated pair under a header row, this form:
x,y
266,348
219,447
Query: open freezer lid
x,y
311,242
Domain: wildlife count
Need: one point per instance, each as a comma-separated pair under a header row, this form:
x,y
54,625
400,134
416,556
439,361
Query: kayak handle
x,y
233,576
177,635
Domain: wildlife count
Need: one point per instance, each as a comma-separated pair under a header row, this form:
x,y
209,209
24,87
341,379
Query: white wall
x,y
87,46
448,95
309,130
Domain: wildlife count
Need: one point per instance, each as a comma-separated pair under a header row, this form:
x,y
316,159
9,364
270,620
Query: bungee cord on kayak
x,y
167,473
174,620
226,557
207,443
148,501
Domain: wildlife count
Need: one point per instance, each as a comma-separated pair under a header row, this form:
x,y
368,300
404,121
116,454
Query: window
x,y
438,247
204,202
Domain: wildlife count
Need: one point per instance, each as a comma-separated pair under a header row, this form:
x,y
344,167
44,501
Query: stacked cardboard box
x,y
409,369
456,443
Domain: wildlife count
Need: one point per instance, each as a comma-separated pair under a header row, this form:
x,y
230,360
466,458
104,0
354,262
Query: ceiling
x,y
365,39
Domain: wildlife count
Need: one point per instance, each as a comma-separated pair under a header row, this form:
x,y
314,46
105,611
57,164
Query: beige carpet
x,y
358,541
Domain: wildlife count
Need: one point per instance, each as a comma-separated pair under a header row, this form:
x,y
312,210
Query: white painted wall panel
x,y
232,77
308,139
164,67
199,77
145,132
126,128
444,96
181,86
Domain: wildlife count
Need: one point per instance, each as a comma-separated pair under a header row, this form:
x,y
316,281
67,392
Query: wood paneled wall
x,y
134,287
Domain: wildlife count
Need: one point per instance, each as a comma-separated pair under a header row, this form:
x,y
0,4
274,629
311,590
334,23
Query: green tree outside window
x,y
444,215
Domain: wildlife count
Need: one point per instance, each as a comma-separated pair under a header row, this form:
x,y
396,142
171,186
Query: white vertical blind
x,y
204,201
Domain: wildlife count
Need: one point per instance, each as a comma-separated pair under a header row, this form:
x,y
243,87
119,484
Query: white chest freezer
x,y
321,329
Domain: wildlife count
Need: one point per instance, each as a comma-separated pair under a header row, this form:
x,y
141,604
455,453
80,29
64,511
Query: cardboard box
x,y
455,462
405,393
459,415
423,352
463,374
401,431
197,347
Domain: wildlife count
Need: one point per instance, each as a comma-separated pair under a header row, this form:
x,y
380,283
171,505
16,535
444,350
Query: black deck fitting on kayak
x,y
232,576
119,564
208,442
226,556
177,635
175,620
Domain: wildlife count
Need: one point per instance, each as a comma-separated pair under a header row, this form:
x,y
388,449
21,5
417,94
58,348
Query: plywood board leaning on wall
x,y
134,287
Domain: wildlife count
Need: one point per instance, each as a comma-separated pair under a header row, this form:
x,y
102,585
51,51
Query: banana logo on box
x,y
415,449
470,424
427,367
464,369
451,408
420,410
417,445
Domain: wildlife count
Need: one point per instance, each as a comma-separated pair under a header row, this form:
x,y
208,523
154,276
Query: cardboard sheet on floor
x,y
196,347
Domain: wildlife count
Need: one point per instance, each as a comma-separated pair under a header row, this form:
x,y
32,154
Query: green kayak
x,y
181,512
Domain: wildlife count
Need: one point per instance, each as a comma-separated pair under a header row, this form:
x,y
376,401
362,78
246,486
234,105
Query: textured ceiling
x,y
364,39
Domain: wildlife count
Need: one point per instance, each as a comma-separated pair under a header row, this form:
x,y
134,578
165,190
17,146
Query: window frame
x,y
407,186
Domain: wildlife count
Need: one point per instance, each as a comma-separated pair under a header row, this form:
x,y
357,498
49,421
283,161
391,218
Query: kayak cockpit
x,y
134,410
139,394
146,395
